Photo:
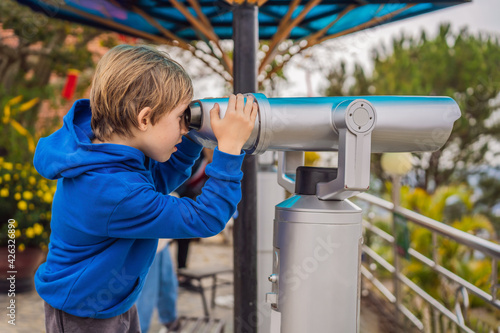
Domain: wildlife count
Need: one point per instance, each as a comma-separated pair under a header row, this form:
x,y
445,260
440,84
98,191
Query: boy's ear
x,y
144,118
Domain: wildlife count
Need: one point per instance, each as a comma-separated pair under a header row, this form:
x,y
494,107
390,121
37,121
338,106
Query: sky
x,y
479,15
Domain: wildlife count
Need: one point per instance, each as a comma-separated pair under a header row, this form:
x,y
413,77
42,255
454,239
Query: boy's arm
x,y
145,213
171,174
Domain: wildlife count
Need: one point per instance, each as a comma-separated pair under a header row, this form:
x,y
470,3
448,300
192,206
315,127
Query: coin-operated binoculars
x,y
317,231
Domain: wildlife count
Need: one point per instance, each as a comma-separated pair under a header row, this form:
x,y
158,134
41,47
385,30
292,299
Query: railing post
x,y
436,316
396,198
494,279
434,249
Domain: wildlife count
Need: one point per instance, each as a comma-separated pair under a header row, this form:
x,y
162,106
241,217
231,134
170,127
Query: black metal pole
x,y
245,37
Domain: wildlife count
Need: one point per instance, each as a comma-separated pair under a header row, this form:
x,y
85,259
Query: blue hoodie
x,y
110,208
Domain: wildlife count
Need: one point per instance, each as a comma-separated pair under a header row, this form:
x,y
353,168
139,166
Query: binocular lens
x,y
186,116
193,116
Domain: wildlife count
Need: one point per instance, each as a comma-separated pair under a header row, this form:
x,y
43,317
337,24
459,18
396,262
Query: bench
x,y
197,275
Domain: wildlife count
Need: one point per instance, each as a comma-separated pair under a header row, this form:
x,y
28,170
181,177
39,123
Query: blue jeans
x,y
160,290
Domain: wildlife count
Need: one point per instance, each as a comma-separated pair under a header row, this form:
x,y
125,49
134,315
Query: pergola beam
x,y
203,28
184,44
311,39
197,8
169,39
316,38
206,30
167,33
120,27
372,23
285,27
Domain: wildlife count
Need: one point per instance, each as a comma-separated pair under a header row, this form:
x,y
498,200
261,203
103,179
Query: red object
x,y
127,39
70,86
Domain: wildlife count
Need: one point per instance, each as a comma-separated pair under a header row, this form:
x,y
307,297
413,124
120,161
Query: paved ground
x,y
30,317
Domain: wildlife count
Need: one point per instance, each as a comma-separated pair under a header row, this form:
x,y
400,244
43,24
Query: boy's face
x,y
159,140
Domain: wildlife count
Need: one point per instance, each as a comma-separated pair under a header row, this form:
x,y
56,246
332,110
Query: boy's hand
x,y
235,128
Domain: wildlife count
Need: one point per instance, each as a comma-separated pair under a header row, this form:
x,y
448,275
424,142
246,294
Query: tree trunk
x,y
10,63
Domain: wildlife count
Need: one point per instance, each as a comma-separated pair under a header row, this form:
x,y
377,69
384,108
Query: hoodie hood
x,y
69,152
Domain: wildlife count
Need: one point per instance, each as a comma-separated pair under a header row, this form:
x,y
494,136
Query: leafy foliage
x,y
461,65
454,206
25,197
37,46
34,50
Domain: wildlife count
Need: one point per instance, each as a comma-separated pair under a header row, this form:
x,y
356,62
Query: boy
x,y
116,159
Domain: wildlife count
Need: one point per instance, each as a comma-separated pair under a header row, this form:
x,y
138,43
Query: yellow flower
x,y
22,205
30,233
47,197
21,247
27,195
32,180
37,227
53,189
4,192
8,165
6,177
39,193
44,187
19,188
19,166
18,233
16,176
1,180
31,206
17,196
16,224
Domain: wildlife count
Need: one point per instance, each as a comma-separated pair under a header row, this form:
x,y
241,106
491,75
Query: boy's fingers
x,y
240,102
215,113
255,111
231,103
249,106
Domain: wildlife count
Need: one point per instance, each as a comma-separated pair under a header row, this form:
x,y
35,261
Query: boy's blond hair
x,y
130,78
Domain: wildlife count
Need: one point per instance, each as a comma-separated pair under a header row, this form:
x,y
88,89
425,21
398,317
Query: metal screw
x,y
273,278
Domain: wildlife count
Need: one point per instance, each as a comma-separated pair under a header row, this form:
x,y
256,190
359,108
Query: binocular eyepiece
x,y
399,123
193,116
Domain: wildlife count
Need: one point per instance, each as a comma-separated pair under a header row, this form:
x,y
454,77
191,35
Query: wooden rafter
x,y
225,59
250,2
112,24
167,33
182,43
208,31
373,22
197,8
278,37
312,39
134,32
285,27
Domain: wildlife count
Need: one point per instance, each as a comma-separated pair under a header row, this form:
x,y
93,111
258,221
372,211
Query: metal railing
x,y
457,316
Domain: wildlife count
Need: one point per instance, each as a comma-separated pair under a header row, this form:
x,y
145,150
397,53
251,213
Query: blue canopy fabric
x,y
170,18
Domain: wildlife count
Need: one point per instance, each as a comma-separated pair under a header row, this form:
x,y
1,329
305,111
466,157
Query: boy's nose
x,y
184,129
